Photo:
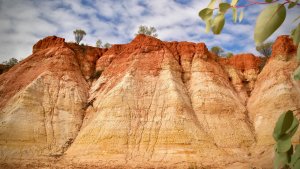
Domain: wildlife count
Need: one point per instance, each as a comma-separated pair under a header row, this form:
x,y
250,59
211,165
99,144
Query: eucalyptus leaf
x,y
234,2
283,123
241,16
223,7
206,14
297,164
218,23
292,4
211,5
234,14
296,34
296,155
283,145
297,74
280,160
291,131
208,25
268,21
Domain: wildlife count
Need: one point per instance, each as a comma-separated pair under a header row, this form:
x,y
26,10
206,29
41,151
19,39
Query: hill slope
x,y
144,104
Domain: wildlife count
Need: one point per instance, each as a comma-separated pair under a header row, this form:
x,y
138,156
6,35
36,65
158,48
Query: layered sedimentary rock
x,y
144,104
275,91
43,99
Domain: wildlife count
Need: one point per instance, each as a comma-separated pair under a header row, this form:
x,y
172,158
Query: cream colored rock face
x,y
42,119
275,92
143,118
156,104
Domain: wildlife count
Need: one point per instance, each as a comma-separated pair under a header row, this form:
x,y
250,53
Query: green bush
x,y
285,128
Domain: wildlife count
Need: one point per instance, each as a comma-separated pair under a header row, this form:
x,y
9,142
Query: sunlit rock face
x,y
43,99
147,103
275,91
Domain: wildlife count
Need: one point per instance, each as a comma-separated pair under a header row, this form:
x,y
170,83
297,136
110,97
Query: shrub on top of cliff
x,y
217,50
107,45
11,62
228,54
268,21
285,154
79,34
265,49
150,31
6,65
99,43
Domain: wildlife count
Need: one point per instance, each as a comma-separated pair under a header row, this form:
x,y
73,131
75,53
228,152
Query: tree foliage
x,y
6,65
228,54
79,34
150,31
268,21
285,128
217,50
265,49
99,43
107,45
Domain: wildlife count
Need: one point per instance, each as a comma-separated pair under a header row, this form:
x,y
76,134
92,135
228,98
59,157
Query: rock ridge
x,y
148,103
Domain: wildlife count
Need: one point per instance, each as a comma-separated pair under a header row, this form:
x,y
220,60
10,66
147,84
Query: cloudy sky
x,y
24,22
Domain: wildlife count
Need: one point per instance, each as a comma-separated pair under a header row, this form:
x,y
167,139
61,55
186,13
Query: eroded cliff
x,y
148,103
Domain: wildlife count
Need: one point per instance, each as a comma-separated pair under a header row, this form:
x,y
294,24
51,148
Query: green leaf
x,y
206,14
208,25
241,16
296,34
283,145
297,73
297,164
268,21
280,160
292,4
218,23
283,124
211,5
296,155
268,1
234,2
234,14
223,7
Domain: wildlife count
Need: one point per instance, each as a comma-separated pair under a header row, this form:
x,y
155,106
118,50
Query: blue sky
x,y
24,22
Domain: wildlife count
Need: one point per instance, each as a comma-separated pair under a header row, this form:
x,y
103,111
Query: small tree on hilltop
x,y
99,43
217,50
265,49
11,62
228,54
107,45
150,31
79,34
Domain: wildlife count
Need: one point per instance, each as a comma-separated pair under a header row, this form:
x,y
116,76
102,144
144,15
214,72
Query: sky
x,y
24,22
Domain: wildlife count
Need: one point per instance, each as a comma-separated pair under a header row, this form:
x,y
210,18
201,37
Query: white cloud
x,y
24,22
